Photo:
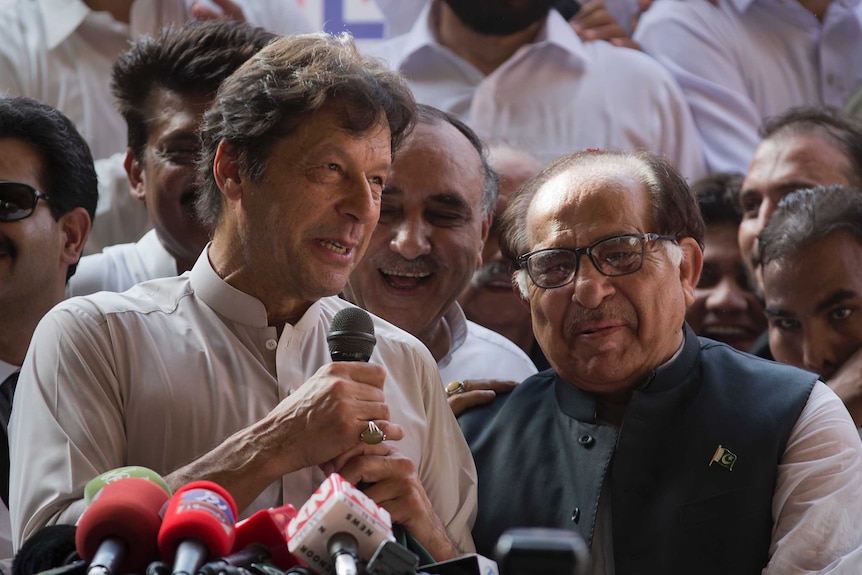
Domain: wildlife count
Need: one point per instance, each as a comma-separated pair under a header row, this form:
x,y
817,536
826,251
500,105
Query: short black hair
x,y
194,59
67,173
718,197
805,217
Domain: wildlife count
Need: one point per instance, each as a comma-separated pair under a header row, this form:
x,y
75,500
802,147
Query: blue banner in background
x,y
334,22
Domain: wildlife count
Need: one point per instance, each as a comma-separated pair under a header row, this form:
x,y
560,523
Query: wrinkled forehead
x,y
588,202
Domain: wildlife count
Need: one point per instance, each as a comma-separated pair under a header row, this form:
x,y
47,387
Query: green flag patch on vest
x,y
724,457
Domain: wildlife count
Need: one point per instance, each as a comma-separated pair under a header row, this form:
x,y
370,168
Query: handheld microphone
x,y
198,523
351,335
337,526
96,484
268,527
117,532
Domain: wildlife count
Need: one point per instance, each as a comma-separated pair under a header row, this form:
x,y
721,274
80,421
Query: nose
x,y
590,285
727,295
819,352
360,203
410,239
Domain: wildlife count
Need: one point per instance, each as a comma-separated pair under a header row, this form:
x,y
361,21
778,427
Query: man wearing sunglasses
x,y
47,199
668,453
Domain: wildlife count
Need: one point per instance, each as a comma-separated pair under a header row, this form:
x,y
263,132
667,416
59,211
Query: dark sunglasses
x,y
18,201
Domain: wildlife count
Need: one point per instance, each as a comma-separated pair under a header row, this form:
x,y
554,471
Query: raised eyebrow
x,y
835,298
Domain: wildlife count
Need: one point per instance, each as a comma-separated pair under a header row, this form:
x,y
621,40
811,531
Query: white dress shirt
x,y
160,374
61,52
745,60
121,266
477,352
554,96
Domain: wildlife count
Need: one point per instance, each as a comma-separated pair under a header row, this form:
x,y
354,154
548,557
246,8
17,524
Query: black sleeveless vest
x,y
691,471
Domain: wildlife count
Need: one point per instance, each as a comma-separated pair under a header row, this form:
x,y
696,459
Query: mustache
x,y
422,265
493,271
582,316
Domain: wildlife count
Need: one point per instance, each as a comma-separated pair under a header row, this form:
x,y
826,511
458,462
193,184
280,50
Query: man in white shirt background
x,y
741,61
517,72
435,215
162,86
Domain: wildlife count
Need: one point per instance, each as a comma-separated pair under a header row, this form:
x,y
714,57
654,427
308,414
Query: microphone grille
x,y
351,334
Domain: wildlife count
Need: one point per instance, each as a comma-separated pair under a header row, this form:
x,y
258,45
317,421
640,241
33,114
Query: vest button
x,y
586,440
576,514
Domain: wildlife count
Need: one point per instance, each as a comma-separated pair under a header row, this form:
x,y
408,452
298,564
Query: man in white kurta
x,y
742,61
157,375
223,373
61,51
555,94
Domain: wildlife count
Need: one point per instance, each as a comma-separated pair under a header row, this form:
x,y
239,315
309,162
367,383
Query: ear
x,y
135,173
227,172
690,268
75,225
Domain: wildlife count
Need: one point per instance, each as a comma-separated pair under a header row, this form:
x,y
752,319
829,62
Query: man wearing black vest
x,y
666,452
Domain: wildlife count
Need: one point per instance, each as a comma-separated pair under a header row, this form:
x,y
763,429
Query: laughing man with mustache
x,y
435,215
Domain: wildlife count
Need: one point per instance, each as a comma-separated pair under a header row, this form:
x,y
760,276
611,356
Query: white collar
x,y
555,32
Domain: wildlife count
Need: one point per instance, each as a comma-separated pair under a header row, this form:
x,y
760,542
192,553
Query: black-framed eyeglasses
x,y
18,201
614,256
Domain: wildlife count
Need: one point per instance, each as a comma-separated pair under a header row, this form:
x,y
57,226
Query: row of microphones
x,y
133,526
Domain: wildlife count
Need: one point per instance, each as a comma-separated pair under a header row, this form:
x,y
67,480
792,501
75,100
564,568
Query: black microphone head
x,y
351,335
49,547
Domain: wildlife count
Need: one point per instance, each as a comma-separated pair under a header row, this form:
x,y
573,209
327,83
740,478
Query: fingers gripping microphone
x,y
117,533
351,335
199,523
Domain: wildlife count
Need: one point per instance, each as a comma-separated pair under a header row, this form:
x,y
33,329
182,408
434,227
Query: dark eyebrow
x,y
776,312
835,298
452,200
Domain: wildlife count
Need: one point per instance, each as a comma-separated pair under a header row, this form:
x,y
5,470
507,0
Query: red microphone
x,y
268,527
198,523
118,531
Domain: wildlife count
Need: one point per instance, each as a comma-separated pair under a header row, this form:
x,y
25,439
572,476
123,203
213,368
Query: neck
x,y
438,340
19,322
234,270
119,9
816,7
484,52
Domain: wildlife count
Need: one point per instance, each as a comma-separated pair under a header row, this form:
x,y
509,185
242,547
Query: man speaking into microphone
x,y
224,373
